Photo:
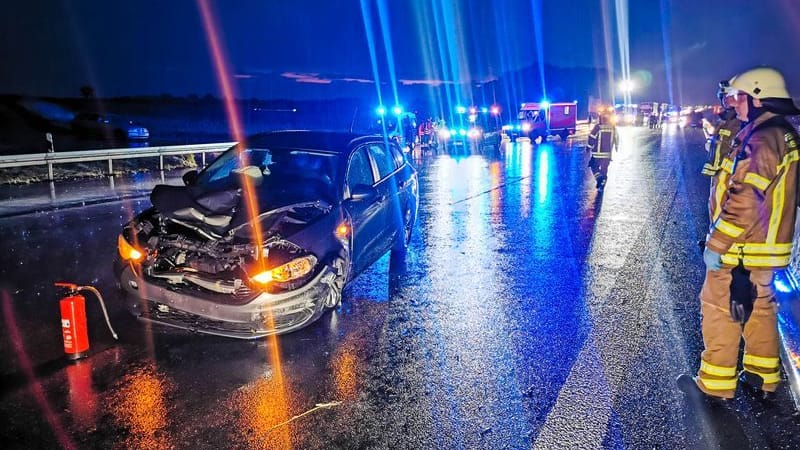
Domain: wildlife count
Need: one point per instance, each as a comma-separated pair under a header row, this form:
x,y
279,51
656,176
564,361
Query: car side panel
x,y
367,225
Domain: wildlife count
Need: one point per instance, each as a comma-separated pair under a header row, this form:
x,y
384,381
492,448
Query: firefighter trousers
x,y
599,168
717,375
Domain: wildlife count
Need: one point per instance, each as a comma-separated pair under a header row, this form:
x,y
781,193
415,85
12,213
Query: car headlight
x,y
292,270
526,127
444,133
127,251
473,133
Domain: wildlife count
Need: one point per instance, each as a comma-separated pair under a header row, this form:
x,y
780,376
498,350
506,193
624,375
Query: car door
x,y
366,215
387,187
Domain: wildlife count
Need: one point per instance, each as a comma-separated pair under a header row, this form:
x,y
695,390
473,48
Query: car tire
x,y
340,268
403,236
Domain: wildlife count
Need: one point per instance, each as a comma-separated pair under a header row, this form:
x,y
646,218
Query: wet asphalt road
x,y
530,312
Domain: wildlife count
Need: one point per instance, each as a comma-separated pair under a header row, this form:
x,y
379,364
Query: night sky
x,y
319,49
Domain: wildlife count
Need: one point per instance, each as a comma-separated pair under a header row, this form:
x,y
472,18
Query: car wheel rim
x,y
337,285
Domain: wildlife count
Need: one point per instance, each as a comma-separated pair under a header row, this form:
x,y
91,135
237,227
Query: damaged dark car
x,y
264,239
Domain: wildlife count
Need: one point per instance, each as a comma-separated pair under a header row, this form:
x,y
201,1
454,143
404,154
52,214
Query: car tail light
x,y
292,270
127,251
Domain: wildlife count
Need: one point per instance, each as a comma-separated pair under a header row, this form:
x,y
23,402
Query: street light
x,y
627,86
397,110
380,110
496,113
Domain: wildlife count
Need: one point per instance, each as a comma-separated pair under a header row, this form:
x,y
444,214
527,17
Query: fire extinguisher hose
x,y
102,305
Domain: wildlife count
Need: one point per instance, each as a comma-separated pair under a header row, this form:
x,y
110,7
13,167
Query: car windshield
x,y
304,173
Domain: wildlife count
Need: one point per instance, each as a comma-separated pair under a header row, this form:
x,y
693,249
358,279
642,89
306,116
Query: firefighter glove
x,y
712,259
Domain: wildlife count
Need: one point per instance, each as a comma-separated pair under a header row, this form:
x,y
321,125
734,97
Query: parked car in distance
x,y
108,126
691,119
327,206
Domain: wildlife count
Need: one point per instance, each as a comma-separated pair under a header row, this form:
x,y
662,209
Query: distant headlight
x,y
444,133
474,133
462,132
526,127
292,270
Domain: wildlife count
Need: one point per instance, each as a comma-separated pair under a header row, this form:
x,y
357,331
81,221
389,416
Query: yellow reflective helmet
x,y
761,83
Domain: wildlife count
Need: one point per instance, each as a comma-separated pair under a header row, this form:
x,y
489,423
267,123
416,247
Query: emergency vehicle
x,y
542,119
400,126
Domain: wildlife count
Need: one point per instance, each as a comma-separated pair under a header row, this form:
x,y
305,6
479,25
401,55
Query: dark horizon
x,y
311,49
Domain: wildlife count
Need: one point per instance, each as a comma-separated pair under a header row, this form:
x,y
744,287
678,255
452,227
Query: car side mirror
x,y
190,177
361,192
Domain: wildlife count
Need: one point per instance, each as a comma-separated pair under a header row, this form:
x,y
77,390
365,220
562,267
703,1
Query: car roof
x,y
329,141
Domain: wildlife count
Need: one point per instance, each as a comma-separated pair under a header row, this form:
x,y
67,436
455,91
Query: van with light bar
x,y
536,121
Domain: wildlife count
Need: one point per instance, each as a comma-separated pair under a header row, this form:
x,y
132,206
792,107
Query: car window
x,y
397,155
383,159
360,170
294,172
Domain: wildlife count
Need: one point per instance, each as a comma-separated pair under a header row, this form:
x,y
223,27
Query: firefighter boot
x,y
688,385
754,383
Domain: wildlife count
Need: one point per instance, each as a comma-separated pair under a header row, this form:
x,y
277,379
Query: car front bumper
x,y
265,315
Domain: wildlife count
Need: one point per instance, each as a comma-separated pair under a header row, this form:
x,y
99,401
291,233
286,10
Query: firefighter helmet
x,y
761,83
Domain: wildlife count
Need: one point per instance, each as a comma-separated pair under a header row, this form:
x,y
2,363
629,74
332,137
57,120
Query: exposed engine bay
x,y
182,253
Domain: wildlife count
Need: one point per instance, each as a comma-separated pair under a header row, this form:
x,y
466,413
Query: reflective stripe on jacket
x,y
720,145
602,140
754,198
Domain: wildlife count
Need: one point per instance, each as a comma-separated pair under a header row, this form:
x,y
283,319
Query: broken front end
x,y
196,272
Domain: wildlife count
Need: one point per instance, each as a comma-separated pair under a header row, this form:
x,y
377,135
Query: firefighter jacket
x,y
720,144
754,196
602,140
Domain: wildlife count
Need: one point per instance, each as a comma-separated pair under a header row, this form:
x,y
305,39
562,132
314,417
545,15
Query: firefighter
x,y
753,213
719,144
602,140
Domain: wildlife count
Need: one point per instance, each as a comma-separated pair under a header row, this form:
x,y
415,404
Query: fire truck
x,y
536,121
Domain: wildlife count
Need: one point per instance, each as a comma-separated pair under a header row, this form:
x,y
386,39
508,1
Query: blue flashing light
x,y
544,104
783,285
460,109
484,110
380,110
397,110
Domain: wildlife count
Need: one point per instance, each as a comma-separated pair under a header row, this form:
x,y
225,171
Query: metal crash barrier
x,y
52,158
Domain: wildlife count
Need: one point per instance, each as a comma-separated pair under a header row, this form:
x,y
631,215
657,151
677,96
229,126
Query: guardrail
x,y
51,158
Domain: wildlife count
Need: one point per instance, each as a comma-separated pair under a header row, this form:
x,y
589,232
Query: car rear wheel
x,y
403,235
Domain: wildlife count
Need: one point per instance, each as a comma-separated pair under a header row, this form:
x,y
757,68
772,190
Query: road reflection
x,y
140,403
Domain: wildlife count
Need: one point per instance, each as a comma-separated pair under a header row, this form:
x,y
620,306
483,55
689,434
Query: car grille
x,y
158,312
194,322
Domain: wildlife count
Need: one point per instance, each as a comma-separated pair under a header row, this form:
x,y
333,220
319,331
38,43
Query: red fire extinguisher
x,y
73,320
